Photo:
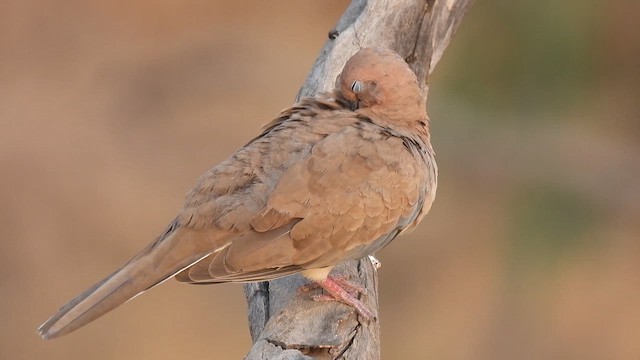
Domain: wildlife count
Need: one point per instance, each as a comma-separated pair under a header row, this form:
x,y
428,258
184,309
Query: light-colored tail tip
x,y
48,330
43,334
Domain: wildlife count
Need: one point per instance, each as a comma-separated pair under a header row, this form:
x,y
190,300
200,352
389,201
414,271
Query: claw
x,y
340,288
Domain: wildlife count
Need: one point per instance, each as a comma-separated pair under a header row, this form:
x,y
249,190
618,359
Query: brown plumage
x,y
333,178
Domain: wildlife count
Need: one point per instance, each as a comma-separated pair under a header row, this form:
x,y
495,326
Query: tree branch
x,y
283,323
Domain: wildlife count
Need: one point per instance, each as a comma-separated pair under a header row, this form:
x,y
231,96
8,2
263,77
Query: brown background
x,y
109,110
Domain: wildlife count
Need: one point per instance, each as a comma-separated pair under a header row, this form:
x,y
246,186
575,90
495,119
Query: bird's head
x,y
380,84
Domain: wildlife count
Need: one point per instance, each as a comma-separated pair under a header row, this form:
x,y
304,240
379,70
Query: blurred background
x,y
110,110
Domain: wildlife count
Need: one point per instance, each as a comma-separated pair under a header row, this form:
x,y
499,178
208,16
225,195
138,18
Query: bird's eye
x,y
357,86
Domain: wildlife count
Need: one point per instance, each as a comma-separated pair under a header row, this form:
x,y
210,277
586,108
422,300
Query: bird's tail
x,y
172,252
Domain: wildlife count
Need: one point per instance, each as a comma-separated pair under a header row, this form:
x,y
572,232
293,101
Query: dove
x,y
334,178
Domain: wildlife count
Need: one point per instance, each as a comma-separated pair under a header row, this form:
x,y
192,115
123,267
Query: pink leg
x,y
351,287
348,296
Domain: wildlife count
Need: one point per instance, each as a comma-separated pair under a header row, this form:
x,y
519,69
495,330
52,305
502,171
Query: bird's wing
x,y
347,196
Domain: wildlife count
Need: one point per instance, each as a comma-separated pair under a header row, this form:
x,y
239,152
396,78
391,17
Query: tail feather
x,y
174,252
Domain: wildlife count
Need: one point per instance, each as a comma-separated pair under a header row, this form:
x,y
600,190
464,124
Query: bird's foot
x,y
340,288
351,287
